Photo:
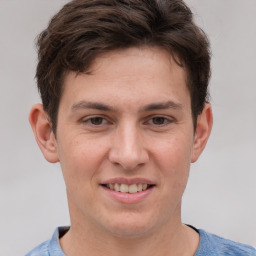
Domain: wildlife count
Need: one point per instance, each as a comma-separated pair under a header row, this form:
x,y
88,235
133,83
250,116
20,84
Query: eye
x,y
95,121
159,121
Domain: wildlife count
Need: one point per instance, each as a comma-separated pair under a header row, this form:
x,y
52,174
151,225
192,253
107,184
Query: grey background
x,y
221,193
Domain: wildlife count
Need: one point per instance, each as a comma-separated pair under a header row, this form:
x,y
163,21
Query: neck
x,y
173,239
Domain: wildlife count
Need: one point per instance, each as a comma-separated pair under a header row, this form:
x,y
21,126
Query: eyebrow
x,y
104,107
162,105
91,105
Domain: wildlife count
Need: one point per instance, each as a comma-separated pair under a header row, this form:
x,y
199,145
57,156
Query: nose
x,y
127,149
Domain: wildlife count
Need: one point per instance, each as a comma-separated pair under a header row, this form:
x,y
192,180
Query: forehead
x,y
133,74
142,58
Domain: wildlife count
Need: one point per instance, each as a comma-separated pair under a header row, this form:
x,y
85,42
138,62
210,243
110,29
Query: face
x,y
125,141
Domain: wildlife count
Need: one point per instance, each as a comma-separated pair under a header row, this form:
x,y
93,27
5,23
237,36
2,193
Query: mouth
x,y
125,188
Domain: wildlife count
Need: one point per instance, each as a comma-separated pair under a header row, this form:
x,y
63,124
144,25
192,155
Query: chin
x,y
130,232
130,227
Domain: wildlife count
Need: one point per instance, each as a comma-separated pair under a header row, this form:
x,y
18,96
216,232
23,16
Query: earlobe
x,y
43,133
202,133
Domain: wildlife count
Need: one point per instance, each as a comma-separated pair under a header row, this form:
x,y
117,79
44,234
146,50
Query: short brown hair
x,y
83,29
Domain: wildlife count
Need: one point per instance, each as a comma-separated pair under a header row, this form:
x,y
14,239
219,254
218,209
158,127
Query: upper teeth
x,y
125,188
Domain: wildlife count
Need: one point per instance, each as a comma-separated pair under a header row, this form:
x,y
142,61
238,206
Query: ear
x,y
44,135
202,133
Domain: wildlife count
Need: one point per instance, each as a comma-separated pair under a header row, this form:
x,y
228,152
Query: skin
x,y
130,118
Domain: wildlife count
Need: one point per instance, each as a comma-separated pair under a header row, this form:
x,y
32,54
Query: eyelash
x,y
90,121
165,120
150,120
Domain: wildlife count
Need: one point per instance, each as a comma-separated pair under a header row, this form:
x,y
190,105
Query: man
x,y
125,112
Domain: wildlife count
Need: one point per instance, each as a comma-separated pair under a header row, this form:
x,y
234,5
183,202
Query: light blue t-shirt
x,y
210,245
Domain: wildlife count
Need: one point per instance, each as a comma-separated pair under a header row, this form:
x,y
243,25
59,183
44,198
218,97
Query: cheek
x,y
80,161
173,159
174,152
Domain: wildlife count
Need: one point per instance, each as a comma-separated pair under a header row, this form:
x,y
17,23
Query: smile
x,y
125,188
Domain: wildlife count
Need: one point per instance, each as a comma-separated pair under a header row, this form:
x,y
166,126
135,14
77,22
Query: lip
x,y
122,180
128,198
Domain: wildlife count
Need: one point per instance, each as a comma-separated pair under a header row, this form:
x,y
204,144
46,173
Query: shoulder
x,y
216,245
52,246
40,250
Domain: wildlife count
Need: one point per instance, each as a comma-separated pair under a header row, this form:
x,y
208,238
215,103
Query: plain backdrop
x,y
221,193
